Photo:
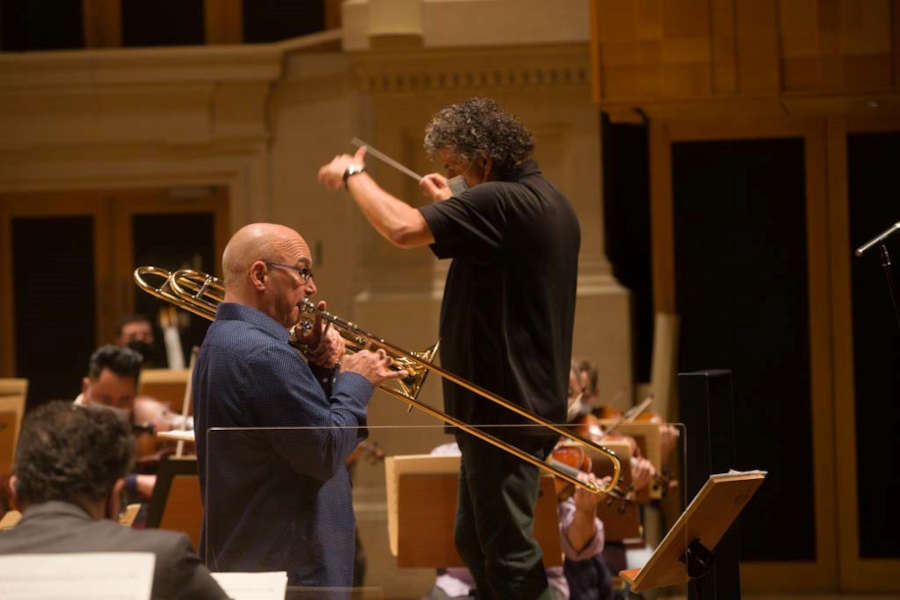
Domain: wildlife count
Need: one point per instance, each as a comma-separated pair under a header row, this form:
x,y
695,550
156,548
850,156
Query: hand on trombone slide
x,y
323,346
374,366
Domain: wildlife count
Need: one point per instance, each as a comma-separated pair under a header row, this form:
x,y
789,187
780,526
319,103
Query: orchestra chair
x,y
166,385
176,503
12,409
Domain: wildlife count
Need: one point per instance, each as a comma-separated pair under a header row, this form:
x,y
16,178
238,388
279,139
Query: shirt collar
x,y
525,168
55,507
232,311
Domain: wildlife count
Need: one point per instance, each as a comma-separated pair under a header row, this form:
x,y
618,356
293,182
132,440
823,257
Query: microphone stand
x,y
885,262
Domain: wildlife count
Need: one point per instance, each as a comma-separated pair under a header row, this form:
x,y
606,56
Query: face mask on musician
x,y
123,414
457,185
141,347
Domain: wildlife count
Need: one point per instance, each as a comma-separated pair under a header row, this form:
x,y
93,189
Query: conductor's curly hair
x,y
478,126
67,452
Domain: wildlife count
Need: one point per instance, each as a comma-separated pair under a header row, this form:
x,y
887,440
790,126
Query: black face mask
x,y
141,347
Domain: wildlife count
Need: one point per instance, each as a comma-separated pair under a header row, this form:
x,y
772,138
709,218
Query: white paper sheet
x,y
77,576
254,586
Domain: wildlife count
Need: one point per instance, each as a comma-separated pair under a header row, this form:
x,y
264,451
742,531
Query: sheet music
x,y
254,586
179,435
77,575
735,473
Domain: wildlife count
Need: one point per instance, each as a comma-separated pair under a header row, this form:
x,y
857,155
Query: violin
x,y
152,416
573,458
589,427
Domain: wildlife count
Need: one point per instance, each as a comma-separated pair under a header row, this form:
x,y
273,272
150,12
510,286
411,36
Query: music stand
x,y
12,408
621,520
165,385
422,488
176,503
687,550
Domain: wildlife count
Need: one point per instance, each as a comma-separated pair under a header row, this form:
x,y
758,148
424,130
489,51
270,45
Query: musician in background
x,y
112,380
506,318
111,384
151,416
587,376
588,577
136,332
69,507
278,500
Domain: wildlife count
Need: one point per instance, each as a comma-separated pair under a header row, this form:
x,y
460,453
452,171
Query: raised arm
x,y
395,220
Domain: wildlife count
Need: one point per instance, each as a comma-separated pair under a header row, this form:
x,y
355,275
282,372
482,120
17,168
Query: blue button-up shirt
x,y
274,499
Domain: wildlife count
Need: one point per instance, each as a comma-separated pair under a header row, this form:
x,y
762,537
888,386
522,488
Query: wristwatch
x,y
352,170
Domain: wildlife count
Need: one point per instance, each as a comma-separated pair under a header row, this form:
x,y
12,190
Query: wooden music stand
x,y
687,550
645,434
422,488
12,409
165,385
176,503
621,521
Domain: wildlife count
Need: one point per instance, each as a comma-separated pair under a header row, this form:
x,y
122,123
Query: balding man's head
x,y
246,263
259,241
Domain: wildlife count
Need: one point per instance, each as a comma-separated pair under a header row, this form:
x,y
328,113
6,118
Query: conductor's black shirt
x,y
509,300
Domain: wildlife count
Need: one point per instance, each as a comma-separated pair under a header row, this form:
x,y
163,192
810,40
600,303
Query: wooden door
x,y
865,200
67,260
715,263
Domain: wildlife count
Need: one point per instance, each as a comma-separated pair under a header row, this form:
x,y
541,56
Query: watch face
x,y
352,170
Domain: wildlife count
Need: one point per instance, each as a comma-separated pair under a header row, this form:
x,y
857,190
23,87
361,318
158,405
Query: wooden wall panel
x,y
661,50
686,51
829,21
620,51
865,27
865,42
723,47
650,19
801,45
757,46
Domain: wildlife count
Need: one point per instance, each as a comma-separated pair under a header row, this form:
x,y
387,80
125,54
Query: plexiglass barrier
x,y
372,512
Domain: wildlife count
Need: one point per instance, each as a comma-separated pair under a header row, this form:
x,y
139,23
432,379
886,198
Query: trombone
x,y
201,294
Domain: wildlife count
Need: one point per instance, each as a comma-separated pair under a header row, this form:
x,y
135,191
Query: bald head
x,y
259,241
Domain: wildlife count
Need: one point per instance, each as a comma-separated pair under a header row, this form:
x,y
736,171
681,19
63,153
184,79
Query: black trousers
x,y
495,519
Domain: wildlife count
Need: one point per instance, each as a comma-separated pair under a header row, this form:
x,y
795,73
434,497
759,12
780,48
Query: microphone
x,y
878,239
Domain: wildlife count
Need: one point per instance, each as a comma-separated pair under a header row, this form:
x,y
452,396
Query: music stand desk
x,y
176,503
686,550
421,498
165,385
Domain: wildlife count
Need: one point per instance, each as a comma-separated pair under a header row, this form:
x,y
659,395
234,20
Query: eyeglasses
x,y
305,274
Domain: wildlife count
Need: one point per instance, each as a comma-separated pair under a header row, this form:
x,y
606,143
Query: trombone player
x,y
278,500
506,318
